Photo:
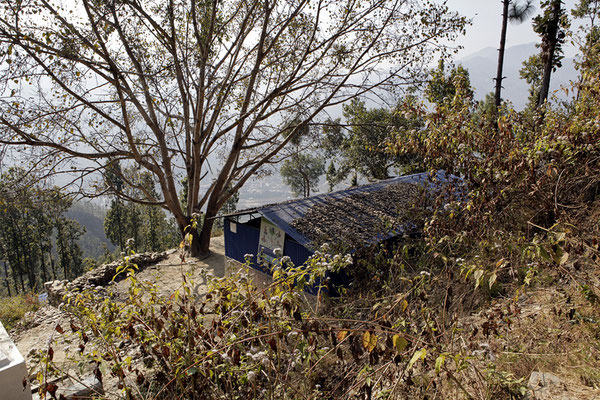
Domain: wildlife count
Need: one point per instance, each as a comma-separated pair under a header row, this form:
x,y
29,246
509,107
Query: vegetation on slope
x,y
503,282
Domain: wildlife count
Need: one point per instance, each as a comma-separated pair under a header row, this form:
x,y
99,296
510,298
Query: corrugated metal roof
x,y
283,214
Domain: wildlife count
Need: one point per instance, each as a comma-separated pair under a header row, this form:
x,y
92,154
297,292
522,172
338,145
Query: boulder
x,y
547,386
70,389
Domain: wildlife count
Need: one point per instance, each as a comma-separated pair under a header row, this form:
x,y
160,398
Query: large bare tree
x,y
196,89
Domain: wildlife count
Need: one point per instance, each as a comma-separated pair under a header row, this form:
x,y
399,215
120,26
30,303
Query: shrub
x,y
12,309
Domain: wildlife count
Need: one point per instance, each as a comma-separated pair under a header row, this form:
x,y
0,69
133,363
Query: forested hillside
x,y
93,242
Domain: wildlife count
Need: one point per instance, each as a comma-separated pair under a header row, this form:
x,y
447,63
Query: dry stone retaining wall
x,y
98,277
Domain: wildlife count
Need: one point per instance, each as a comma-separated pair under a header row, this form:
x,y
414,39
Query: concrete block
x,y
13,372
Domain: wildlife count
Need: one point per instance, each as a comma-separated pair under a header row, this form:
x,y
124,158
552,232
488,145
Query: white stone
x,y
13,371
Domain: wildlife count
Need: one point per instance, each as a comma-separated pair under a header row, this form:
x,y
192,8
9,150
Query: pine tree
x,y
551,26
514,12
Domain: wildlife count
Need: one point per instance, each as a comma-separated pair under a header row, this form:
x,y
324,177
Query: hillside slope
x,y
93,242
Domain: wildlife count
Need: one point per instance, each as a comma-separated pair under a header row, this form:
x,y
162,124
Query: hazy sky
x,y
487,22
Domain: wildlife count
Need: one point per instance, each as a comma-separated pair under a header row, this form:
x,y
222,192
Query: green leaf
x,y
439,362
564,258
492,280
544,254
478,275
419,354
404,305
399,343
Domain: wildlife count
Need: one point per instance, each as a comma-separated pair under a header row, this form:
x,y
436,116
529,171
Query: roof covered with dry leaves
x,y
351,218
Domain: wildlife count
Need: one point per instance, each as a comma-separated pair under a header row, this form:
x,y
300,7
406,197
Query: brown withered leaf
x,y
273,343
98,373
297,316
341,335
51,388
236,357
340,353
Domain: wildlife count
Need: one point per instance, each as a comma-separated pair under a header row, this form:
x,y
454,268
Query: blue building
x,y
350,219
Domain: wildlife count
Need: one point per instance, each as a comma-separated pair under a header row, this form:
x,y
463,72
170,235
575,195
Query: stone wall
x,y
98,277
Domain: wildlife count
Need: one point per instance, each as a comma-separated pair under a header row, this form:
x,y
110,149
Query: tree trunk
x,y
499,77
63,263
18,266
52,265
6,279
200,244
201,241
30,267
43,267
549,42
306,184
22,283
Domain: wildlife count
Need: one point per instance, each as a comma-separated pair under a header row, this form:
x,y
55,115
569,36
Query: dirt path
x,y
168,274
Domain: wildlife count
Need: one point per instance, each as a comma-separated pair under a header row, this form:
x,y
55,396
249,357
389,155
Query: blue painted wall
x,y
245,241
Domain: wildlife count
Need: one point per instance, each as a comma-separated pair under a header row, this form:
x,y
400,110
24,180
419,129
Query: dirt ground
x,y
39,329
168,274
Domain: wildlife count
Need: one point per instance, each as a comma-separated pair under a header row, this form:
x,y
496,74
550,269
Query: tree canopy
x,y
359,145
301,172
197,90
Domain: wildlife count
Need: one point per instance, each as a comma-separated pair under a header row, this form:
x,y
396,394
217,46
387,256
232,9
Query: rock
x,y
56,291
99,277
547,386
543,379
85,388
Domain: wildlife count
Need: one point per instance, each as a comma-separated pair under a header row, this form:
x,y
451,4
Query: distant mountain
x,y
90,216
482,69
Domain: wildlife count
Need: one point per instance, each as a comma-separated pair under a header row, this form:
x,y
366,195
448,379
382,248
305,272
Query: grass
x,y
12,309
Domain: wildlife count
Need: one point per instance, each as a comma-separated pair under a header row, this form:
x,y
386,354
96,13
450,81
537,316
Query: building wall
x,y
245,241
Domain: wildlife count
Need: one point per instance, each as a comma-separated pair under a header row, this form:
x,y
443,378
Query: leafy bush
x,y
12,309
238,341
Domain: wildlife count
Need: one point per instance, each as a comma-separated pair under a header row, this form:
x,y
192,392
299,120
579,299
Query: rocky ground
x,y
38,329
